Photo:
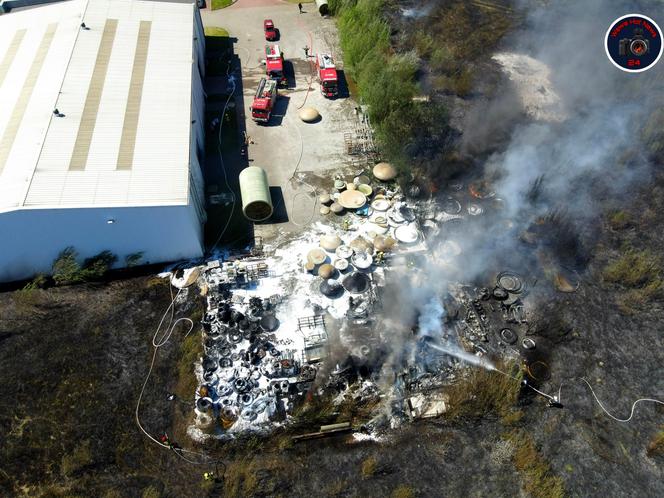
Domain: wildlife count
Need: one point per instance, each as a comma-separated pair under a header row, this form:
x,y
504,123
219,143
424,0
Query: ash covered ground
x,y
579,220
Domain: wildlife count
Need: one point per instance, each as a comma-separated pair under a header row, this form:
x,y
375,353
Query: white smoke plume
x,y
579,140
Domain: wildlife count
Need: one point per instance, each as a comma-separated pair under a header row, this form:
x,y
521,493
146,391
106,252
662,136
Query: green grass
x,y
385,80
220,4
215,31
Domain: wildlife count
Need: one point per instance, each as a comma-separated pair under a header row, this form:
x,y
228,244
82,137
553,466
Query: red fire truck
x,y
274,64
270,31
327,75
264,100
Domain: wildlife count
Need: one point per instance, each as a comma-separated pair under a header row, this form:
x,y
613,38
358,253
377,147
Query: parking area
x,y
293,153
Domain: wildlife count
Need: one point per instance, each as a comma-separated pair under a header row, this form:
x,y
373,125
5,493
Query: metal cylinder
x,y
323,8
255,192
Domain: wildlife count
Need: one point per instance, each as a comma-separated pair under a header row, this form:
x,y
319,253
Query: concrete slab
x,y
289,149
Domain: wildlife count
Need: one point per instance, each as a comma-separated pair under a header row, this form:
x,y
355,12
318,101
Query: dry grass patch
x,y
77,460
485,392
369,466
620,220
656,445
641,273
538,478
403,491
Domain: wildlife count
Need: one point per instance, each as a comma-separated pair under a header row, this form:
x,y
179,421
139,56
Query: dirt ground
x,y
73,360
287,148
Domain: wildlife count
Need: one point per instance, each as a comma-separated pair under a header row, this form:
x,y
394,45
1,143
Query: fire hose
x,y
157,343
556,400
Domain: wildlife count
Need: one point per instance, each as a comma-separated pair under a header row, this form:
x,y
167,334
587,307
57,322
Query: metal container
x,y
255,192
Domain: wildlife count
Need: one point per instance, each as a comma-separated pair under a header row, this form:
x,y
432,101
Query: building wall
x,y
199,40
8,5
30,239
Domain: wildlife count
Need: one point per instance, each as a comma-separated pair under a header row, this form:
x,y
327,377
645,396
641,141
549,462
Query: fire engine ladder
x,y
261,88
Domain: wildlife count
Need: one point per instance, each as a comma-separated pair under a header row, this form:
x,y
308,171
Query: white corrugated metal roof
x,y
95,79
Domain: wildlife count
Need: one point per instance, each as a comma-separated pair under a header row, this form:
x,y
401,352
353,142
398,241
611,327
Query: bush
x,y
97,266
66,270
39,282
133,259
386,81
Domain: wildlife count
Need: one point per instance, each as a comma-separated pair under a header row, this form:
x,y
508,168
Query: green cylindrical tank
x,y
255,192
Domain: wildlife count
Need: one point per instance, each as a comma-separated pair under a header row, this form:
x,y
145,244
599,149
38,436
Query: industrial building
x,y
101,132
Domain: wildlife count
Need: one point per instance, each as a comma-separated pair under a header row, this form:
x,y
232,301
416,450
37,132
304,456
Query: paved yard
x,y
287,146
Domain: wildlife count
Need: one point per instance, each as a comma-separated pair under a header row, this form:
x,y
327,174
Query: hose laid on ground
x,y
631,414
557,399
223,167
158,342
312,73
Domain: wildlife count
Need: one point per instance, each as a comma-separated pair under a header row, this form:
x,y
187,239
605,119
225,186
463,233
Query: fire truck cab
x,y
271,33
327,75
274,64
264,100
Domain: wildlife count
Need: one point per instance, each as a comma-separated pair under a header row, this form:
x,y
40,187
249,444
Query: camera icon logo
x,y
633,43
